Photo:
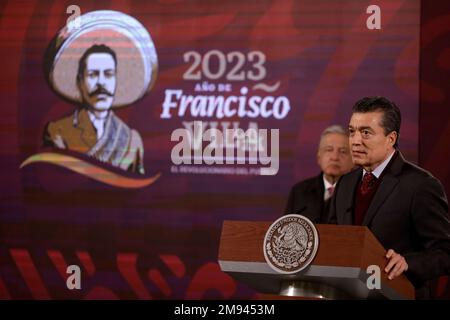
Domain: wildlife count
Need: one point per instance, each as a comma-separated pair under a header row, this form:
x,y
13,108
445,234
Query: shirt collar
x,y
94,118
379,170
98,123
326,183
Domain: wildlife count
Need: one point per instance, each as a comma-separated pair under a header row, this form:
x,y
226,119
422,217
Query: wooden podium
x,y
339,270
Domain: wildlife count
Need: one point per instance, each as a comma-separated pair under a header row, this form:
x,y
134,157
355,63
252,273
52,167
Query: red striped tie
x,y
367,183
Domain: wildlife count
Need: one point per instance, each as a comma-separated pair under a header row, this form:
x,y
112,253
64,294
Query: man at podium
x,y
403,205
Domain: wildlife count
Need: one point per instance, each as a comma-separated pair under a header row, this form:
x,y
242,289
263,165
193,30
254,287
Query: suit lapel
x,y
348,190
319,190
388,183
87,131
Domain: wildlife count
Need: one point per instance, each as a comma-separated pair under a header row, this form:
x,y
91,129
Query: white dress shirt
x,y
379,170
98,123
327,195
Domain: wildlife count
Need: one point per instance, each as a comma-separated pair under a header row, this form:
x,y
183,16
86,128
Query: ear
x,y
392,136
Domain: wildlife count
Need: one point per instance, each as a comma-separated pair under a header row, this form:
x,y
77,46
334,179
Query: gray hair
x,y
333,129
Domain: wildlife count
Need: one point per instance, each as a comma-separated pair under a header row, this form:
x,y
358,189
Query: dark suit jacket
x,y
306,198
409,213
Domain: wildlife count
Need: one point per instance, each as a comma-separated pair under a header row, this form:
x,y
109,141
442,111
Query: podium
x,y
338,271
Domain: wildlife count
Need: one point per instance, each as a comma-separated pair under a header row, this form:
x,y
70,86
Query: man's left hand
x,y
396,264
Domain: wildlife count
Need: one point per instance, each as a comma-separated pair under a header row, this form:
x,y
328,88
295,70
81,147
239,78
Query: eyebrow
x,y
360,128
93,69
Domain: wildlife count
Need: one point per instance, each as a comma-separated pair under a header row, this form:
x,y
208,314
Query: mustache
x,y
100,90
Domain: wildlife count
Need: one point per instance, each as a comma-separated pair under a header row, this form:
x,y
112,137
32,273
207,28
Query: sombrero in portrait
x,y
137,62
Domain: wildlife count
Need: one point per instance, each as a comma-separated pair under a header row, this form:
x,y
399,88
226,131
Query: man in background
x,y
311,197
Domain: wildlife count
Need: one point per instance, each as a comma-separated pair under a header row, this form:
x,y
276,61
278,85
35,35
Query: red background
x,y
162,242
